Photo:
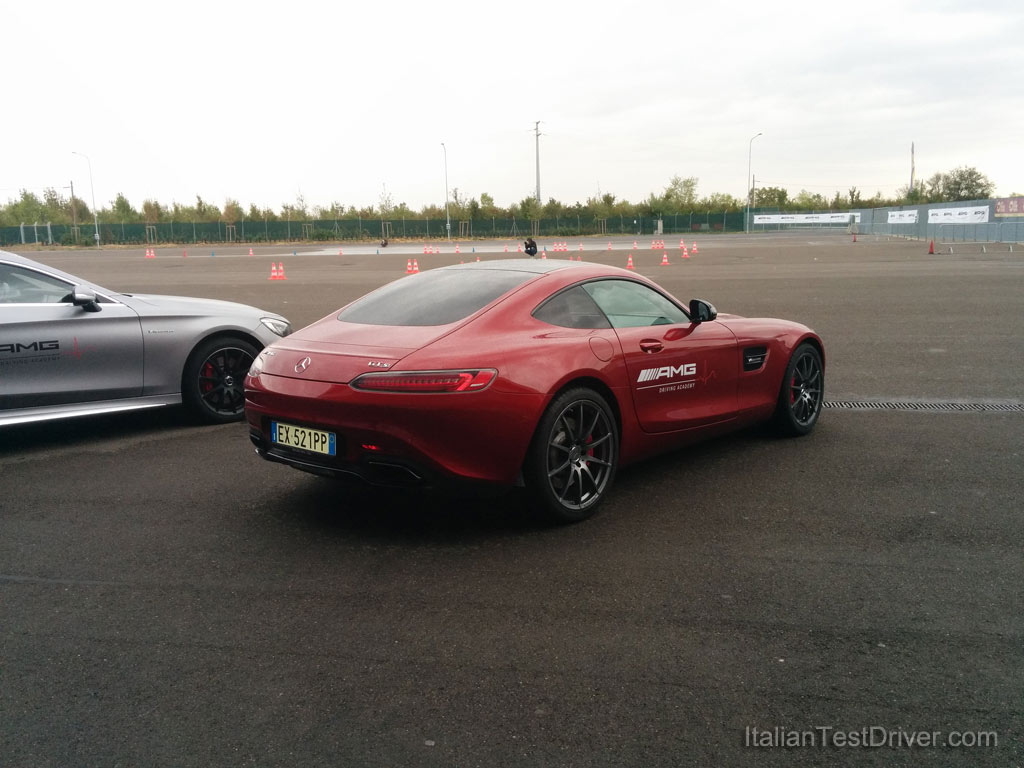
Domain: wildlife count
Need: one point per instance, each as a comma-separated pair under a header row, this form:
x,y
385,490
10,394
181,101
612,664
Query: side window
x,y
572,309
19,285
632,305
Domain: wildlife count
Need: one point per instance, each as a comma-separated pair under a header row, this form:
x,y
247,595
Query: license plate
x,y
303,438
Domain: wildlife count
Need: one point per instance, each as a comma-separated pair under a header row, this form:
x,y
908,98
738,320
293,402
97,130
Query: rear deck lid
x,y
337,352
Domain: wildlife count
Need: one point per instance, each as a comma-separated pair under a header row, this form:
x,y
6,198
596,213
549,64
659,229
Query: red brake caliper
x,y
207,385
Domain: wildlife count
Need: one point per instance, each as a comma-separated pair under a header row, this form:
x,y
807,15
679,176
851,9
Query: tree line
x,y
678,197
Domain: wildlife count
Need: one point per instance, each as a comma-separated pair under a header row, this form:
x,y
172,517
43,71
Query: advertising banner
x,y
903,217
976,214
1010,206
805,218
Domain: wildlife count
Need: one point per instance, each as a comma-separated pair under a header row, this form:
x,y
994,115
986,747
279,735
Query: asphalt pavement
x,y
169,599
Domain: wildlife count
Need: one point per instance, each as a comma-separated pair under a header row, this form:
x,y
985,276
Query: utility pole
x,y
536,130
95,213
910,191
750,190
74,219
447,218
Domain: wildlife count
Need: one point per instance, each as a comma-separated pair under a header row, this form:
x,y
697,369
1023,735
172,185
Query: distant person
x,y
531,246
384,242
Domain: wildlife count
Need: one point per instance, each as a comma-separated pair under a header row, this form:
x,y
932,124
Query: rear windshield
x,y
437,297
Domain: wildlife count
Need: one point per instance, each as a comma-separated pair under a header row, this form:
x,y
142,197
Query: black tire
x,y
802,392
572,460
212,382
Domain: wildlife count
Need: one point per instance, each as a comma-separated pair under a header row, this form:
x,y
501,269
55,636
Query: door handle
x,y
651,346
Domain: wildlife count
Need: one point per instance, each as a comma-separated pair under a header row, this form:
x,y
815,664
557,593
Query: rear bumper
x,y
383,471
397,439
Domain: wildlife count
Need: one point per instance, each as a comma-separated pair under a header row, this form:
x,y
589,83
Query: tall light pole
x,y
447,218
536,131
92,189
750,151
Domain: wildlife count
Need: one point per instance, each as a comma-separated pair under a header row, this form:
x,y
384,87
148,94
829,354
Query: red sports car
x,y
544,373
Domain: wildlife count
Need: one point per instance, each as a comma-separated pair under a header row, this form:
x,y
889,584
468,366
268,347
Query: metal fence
x,y
998,229
872,221
368,229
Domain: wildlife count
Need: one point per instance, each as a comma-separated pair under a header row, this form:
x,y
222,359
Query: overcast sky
x,y
263,101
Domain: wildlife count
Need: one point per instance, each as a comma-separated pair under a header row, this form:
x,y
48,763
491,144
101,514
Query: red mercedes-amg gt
x,y
544,373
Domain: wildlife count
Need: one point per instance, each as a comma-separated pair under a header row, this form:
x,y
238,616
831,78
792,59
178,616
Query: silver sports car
x,y
71,348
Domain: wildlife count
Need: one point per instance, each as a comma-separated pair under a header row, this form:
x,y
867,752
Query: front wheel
x,y
802,392
573,457
212,382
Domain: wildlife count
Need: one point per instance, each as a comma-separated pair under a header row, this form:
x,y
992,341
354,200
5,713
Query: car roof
x,y
535,266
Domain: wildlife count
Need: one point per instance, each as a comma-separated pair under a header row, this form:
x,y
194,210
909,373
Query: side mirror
x,y
85,298
702,311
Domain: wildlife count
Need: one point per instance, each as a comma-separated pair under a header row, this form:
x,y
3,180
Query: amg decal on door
x,y
667,372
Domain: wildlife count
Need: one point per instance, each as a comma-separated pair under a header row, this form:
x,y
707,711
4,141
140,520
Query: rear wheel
x,y
802,392
572,460
212,382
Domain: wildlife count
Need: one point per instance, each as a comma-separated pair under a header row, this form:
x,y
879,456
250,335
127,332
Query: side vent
x,y
753,358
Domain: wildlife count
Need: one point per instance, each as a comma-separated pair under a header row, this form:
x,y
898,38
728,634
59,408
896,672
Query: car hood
x,y
151,304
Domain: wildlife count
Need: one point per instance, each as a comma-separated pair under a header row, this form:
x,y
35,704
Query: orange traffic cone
x,y
543,253
415,267
664,259
457,248
506,247
931,248
686,254
695,248
629,263
426,248
340,253
855,237
634,245
478,258
273,272
609,245
250,250
280,271
519,249
681,245
581,246
184,254
408,267
437,249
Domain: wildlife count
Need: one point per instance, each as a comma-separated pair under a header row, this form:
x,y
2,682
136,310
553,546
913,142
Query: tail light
x,y
425,381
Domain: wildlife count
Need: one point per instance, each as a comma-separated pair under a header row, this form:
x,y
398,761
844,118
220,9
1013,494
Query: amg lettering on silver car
x,y
378,364
667,372
32,346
